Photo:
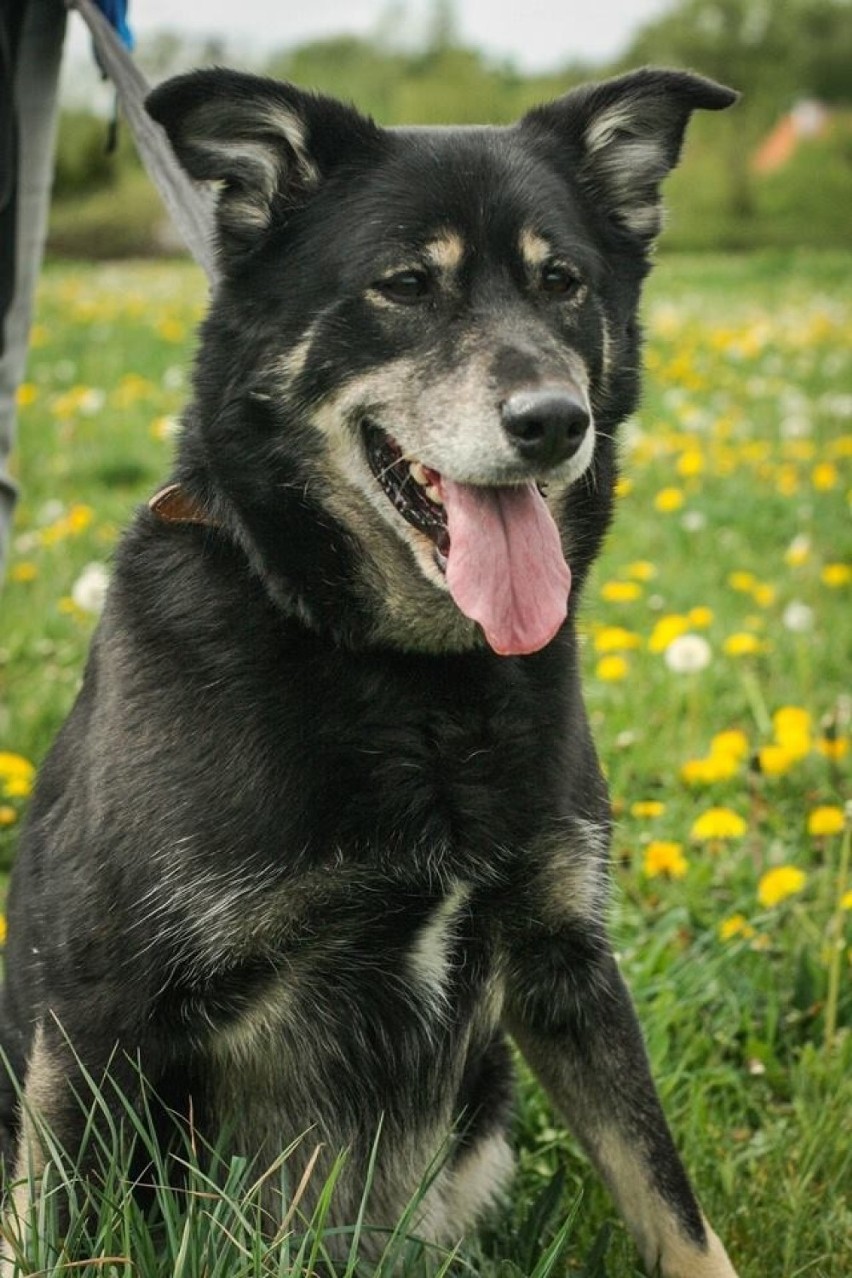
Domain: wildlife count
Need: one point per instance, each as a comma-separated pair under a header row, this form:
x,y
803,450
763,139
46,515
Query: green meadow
x,y
716,640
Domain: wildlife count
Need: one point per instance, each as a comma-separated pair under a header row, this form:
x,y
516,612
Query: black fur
x,y
291,752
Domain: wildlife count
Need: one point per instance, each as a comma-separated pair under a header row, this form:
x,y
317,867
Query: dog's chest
x,y
376,1000
441,773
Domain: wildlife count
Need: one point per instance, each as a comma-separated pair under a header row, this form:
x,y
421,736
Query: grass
x,y
733,528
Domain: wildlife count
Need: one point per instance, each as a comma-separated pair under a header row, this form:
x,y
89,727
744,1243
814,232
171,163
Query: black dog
x,y
326,821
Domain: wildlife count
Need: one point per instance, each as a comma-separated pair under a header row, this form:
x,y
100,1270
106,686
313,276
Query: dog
x,y
326,823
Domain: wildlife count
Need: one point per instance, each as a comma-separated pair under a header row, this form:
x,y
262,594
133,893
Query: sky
x,y
535,34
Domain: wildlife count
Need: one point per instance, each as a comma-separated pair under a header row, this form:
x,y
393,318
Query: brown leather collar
x,y
173,505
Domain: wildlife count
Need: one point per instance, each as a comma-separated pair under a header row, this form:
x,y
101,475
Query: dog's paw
x,y
709,1262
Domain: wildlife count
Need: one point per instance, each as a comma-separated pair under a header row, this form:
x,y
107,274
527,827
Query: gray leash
x,y
190,206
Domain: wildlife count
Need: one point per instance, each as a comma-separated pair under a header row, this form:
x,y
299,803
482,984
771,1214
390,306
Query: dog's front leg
x,y
60,1115
571,1015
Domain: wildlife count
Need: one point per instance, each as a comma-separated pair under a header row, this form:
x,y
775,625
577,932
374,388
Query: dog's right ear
x,y
268,143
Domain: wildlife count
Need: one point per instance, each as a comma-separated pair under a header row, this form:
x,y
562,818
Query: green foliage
x,y
84,161
716,201
444,83
123,219
773,53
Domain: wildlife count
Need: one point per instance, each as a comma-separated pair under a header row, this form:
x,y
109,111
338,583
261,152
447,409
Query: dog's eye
x,y
558,278
405,286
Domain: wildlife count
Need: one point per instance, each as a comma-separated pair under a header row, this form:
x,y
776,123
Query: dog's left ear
x,y
623,136
267,143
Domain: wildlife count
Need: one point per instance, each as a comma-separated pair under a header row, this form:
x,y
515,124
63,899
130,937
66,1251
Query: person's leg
x,y
37,63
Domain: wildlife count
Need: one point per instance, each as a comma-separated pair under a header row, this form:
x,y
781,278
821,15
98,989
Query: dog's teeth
x,y
433,494
418,473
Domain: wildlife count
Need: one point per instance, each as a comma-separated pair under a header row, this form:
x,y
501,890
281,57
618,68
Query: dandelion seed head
x,y
89,590
688,654
798,617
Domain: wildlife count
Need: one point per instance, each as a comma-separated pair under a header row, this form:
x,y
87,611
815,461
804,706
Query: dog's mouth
x,y
498,546
414,489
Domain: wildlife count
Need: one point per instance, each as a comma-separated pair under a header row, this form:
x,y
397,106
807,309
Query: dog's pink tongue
x,y
505,568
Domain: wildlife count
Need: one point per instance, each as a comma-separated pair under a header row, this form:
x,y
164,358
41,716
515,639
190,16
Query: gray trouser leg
x,y
36,76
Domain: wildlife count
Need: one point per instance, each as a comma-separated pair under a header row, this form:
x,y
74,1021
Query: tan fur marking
x,y
460,1195
654,1226
446,251
430,955
292,127
44,1080
256,1033
535,249
289,365
604,127
572,882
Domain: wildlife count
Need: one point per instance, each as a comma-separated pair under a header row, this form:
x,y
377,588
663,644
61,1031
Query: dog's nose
x,y
545,426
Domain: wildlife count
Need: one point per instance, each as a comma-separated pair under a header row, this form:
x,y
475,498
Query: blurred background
x,y
774,173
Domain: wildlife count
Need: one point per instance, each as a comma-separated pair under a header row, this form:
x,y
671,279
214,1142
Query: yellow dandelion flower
x,y
668,500
798,551
623,487
18,787
798,449
833,748
732,742
641,570
696,772
164,428
2,929
824,476
171,329
24,571
742,644
745,582
80,517
8,815
777,884
775,760
764,595
836,575
827,819
690,463
791,721
666,629
664,857
620,591
610,669
616,639
735,925
700,618
718,823
647,808
787,480
27,395
132,388
14,767
846,900
715,767
792,728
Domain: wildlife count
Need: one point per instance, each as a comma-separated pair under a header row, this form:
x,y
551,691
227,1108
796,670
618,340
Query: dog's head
x,y
425,339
